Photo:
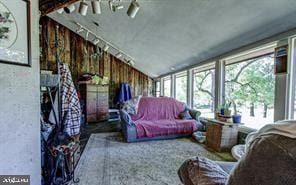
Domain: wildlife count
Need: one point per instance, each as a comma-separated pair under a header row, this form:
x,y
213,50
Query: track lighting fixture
x,y
80,29
119,7
86,35
133,9
111,5
70,8
83,8
115,5
60,11
96,6
106,47
96,41
131,62
118,55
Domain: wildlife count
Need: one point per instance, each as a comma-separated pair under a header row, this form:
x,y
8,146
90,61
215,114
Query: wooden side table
x,y
221,136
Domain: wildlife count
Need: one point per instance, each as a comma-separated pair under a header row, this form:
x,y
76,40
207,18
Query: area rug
x,y
107,160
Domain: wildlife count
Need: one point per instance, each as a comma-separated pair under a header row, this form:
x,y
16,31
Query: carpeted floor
x,y
100,127
107,160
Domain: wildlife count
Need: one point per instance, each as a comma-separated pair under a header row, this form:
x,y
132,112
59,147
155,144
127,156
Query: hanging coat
x,y
124,93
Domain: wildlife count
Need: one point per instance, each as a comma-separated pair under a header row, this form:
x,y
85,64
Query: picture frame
x,y
281,59
15,32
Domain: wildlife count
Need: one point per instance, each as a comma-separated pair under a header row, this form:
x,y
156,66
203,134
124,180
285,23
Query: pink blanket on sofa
x,y
159,116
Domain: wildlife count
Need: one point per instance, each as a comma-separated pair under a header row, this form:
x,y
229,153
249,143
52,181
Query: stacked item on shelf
x,y
114,115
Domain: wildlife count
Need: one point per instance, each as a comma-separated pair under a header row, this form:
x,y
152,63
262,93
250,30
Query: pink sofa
x,y
158,118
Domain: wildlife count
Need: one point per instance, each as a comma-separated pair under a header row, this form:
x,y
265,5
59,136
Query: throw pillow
x,y
129,107
185,115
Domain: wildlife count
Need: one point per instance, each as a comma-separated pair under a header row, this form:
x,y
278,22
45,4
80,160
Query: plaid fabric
x,y
70,102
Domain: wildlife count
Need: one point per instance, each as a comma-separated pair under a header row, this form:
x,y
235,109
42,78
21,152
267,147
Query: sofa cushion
x,y
149,128
202,171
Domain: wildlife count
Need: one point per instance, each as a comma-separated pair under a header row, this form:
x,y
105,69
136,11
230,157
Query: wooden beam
x,y
48,6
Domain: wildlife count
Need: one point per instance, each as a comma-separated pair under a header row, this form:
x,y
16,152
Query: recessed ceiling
x,y
168,34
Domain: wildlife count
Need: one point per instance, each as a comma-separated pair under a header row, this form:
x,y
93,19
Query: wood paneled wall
x,y
47,6
79,55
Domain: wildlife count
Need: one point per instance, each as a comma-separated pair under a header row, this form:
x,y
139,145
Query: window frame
x,y
291,102
169,77
179,75
199,69
266,52
155,88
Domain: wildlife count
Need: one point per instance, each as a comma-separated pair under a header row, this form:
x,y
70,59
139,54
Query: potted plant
x,y
225,109
237,117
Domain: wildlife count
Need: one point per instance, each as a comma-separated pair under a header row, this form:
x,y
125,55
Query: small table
x,y
221,136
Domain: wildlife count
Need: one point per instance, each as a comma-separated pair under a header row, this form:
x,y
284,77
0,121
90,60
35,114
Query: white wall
x,y
19,112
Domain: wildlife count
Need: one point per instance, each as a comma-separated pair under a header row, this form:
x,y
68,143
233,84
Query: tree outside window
x,y
250,86
204,92
157,88
181,87
167,87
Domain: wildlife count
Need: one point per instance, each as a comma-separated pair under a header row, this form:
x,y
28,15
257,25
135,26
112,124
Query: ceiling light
x,y
119,7
118,55
133,9
110,5
96,41
106,48
83,8
80,29
69,9
96,6
60,11
86,35
131,62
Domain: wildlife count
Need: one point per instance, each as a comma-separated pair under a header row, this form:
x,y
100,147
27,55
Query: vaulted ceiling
x,y
173,34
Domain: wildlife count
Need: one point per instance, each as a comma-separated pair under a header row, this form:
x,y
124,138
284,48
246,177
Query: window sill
x,y
246,130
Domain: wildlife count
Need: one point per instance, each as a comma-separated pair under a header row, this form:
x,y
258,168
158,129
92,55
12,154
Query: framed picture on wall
x,y
15,41
281,59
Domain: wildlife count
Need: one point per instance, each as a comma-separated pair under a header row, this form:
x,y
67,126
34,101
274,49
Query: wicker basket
x,y
221,137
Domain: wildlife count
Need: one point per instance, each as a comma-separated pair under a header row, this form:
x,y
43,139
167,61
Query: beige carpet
x,y
107,160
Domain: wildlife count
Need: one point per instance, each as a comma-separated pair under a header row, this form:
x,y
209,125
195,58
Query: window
x,y
204,90
294,117
293,79
157,88
167,86
181,87
249,86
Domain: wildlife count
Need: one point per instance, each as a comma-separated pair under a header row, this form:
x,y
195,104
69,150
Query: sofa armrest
x,y
128,127
194,114
126,117
270,159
